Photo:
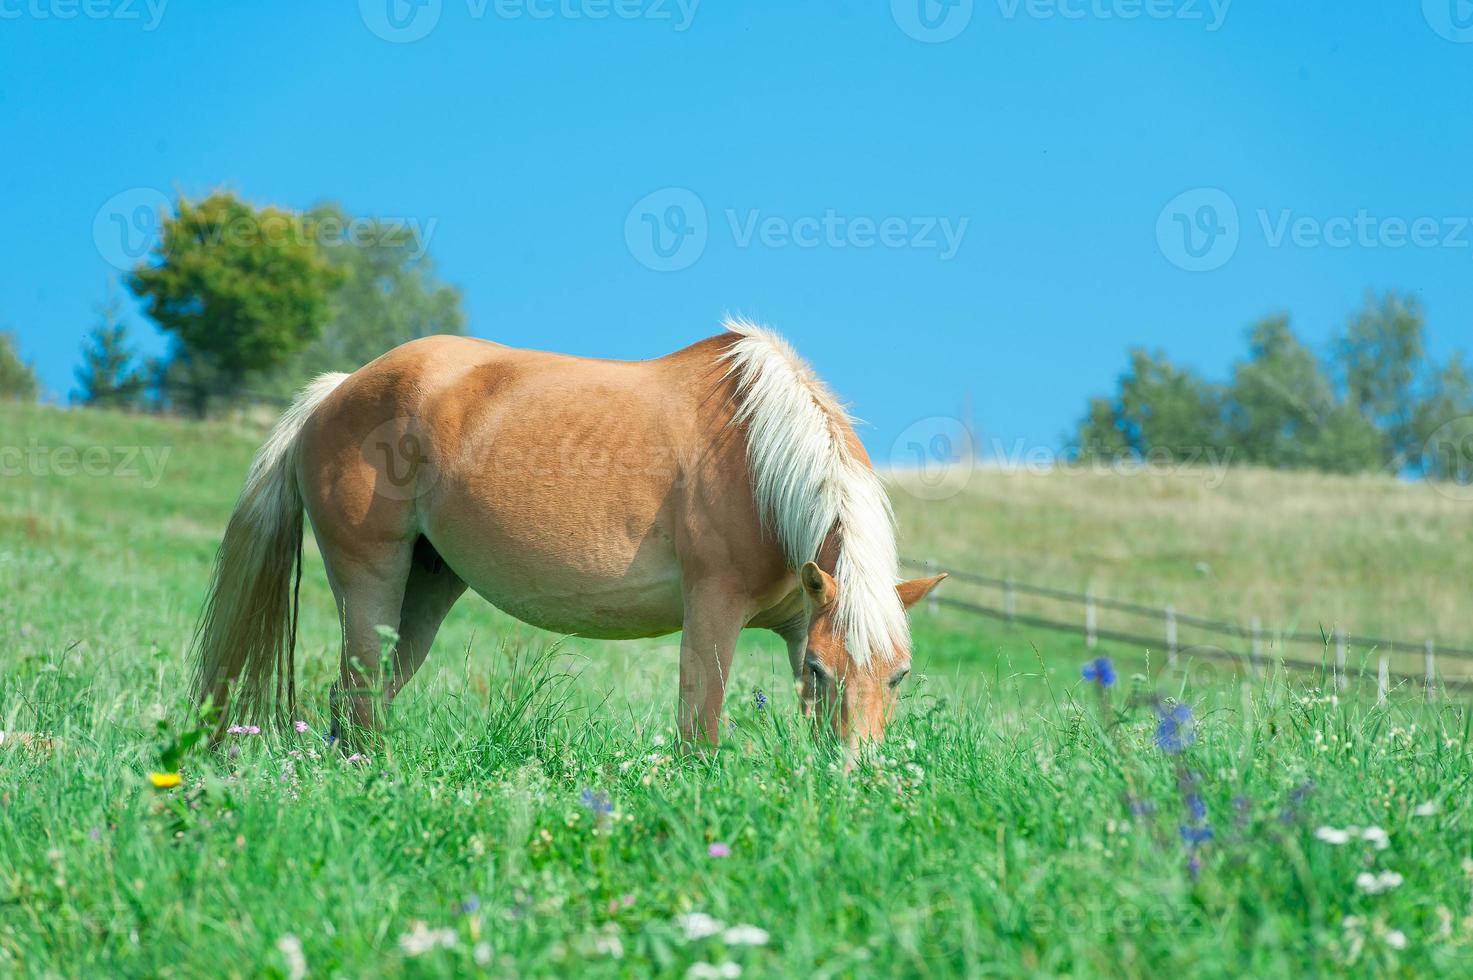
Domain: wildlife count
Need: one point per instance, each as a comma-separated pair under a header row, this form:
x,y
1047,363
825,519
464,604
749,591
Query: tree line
x,y
255,300
1375,401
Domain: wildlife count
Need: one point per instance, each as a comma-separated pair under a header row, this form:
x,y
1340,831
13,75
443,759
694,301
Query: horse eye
x,y
898,676
819,674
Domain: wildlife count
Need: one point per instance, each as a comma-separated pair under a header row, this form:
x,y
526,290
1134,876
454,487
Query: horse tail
x,y
244,646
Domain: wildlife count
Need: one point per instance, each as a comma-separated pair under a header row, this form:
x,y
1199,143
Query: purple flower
x,y
597,801
759,699
357,759
471,903
719,850
1174,730
244,729
1195,806
300,726
1099,670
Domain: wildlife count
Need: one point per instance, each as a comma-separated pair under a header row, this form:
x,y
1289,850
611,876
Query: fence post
x,y
1383,679
1256,655
1171,635
1340,679
932,606
1089,620
1429,669
1010,600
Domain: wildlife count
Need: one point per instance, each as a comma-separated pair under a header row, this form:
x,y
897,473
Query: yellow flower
x,y
164,780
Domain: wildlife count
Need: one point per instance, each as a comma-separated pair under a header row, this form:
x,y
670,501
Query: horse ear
x,y
915,590
818,584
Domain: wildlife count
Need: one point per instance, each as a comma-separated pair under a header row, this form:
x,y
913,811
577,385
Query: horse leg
x,y
431,591
368,582
713,619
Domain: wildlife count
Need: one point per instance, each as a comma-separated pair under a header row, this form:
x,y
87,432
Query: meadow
x,y
527,811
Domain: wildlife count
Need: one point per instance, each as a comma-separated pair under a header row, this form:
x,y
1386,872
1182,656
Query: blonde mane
x,y
808,482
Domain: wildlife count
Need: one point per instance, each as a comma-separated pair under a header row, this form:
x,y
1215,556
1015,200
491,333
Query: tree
x,y
1381,356
389,295
17,379
240,288
1443,425
106,375
1159,410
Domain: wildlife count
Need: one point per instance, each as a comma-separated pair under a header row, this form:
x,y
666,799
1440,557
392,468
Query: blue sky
x,y
801,162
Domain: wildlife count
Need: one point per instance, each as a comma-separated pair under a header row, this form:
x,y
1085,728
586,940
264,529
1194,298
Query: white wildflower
x,y
1376,836
698,925
1396,939
1331,835
705,971
420,939
291,951
1375,884
745,935
1425,809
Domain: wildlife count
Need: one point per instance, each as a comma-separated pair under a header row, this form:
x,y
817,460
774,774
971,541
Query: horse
x,y
714,489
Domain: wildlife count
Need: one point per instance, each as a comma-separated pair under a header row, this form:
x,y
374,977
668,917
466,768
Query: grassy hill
x,y
1019,820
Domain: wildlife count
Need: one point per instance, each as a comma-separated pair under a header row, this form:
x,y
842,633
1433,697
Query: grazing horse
x,y
714,489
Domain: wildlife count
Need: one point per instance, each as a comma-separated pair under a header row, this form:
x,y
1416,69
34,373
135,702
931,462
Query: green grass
x,y
1017,824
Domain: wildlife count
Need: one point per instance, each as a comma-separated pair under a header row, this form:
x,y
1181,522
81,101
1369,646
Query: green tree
x,y
1382,358
240,288
389,295
17,379
107,375
1282,409
1443,425
1158,409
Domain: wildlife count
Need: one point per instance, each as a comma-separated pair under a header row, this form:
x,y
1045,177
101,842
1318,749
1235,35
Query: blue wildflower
x,y
1195,806
1099,670
597,801
759,699
1174,731
471,903
1195,835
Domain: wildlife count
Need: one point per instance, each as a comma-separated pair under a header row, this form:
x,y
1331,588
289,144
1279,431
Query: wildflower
x,y
164,780
482,953
719,850
1099,670
301,727
608,944
244,729
744,935
705,971
1396,939
291,952
470,904
1376,836
1331,835
1425,809
759,699
357,759
698,925
1375,884
1195,835
1174,730
597,801
420,939
1195,806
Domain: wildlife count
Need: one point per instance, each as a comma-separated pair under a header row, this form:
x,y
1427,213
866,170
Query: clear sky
x,y
927,196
